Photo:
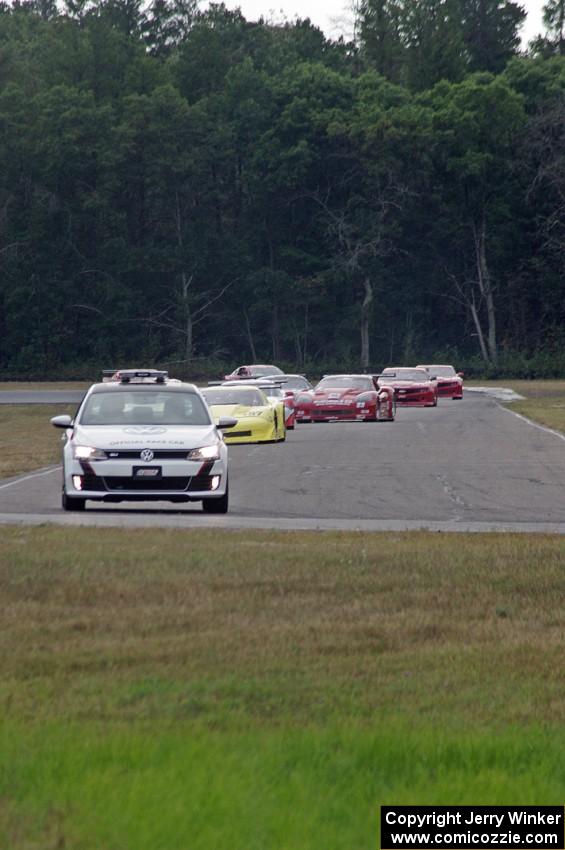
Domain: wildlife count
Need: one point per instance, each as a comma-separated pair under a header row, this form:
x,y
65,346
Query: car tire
x,y
216,506
72,503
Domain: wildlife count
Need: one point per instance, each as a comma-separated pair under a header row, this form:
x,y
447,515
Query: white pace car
x,y
140,437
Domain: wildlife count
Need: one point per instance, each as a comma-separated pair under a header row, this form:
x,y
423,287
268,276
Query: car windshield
x,y
273,392
441,371
247,397
261,371
345,381
296,382
406,375
158,407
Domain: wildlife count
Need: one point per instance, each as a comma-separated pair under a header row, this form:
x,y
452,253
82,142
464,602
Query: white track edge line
x,y
532,423
29,477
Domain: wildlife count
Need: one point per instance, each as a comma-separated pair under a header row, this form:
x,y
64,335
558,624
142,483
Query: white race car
x,y
143,438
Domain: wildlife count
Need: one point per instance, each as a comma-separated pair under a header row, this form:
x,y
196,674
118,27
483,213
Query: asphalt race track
x,y
465,465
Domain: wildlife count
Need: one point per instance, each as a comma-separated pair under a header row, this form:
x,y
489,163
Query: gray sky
x,y
335,16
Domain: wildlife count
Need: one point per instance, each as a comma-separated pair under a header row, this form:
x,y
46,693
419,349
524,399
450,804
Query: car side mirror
x,y
226,422
433,377
460,374
64,421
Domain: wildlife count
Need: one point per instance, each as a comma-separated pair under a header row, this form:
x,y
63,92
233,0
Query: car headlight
x,y
89,453
205,453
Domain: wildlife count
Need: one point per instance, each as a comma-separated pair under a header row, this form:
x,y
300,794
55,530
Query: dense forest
x,y
183,186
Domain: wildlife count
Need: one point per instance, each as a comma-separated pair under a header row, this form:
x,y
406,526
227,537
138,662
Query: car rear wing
x,y
260,383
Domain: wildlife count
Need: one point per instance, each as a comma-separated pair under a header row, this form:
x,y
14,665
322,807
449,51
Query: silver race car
x,y
139,436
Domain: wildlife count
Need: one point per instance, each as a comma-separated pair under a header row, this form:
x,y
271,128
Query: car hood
x,y
238,411
339,393
384,382
145,436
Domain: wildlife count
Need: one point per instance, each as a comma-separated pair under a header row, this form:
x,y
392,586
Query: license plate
x,y
147,472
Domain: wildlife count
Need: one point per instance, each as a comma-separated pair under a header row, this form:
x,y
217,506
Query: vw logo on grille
x,y
147,455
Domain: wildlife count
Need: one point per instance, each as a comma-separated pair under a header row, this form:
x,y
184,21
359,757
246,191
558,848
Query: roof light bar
x,y
132,376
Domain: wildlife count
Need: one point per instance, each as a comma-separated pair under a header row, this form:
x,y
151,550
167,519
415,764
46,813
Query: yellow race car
x,y
259,420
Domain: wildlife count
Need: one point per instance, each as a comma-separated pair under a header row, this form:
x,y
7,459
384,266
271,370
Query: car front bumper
x,y
117,480
252,429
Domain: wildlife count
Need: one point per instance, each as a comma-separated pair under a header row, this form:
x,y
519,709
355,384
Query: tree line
x,y
184,186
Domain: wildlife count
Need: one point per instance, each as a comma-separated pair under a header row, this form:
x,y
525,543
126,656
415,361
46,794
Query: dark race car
x,y
292,386
449,382
412,386
257,370
349,397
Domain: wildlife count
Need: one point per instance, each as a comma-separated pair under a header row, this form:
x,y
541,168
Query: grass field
x,y
27,439
267,690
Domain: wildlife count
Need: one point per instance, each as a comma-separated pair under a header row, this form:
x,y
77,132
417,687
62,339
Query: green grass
x,y
185,786
265,690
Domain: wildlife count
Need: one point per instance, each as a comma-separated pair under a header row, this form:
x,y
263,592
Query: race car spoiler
x,y
133,376
249,382
262,383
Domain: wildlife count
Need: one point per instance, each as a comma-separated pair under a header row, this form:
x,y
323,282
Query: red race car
x,y
411,385
352,397
449,382
258,370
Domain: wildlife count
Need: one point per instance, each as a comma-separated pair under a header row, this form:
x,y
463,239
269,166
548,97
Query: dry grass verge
x,y
27,438
544,401
459,629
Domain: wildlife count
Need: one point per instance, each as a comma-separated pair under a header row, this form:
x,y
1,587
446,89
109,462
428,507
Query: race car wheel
x,y
280,432
72,503
216,506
